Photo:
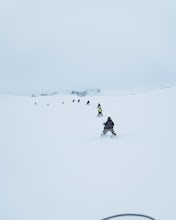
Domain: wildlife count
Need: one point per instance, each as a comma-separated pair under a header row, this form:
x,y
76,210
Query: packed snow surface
x,y
54,164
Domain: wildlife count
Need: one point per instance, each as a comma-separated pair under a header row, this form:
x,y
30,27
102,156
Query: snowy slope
x,y
54,165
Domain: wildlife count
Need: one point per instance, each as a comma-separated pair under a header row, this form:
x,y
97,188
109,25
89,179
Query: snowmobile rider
x,y
100,112
109,126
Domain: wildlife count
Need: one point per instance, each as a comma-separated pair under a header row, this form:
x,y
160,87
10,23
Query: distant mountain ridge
x,y
77,92
85,92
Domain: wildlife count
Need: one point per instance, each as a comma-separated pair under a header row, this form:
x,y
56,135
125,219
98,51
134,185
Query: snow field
x,y
54,165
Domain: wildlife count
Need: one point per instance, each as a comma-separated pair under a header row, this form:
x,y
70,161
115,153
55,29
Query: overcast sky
x,y
53,44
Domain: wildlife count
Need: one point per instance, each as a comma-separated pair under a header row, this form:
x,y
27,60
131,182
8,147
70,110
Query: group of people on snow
x,y
108,125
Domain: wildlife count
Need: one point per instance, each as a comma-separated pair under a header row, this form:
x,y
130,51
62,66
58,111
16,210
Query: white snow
x,y
54,165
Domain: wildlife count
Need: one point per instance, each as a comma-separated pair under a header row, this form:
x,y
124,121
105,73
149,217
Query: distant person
x,y
73,100
88,102
108,126
100,112
78,100
99,106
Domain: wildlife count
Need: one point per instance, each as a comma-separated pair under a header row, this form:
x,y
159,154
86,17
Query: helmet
x,y
109,118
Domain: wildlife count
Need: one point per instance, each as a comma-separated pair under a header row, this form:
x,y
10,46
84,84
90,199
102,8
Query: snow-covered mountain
x,y
54,164
76,92
85,92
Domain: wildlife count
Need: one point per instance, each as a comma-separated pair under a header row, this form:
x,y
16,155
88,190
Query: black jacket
x,y
109,124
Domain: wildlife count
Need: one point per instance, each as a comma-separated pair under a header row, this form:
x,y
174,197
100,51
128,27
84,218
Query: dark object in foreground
x,y
129,215
108,126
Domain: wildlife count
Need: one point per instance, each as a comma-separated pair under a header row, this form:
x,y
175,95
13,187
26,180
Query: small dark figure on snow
x,y
99,106
78,100
35,103
109,126
100,114
47,104
73,100
88,102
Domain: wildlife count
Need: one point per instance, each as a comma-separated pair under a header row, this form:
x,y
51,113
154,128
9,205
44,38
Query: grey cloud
x,y
67,44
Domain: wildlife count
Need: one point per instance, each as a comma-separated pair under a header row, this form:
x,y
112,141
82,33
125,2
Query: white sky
x,y
52,44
